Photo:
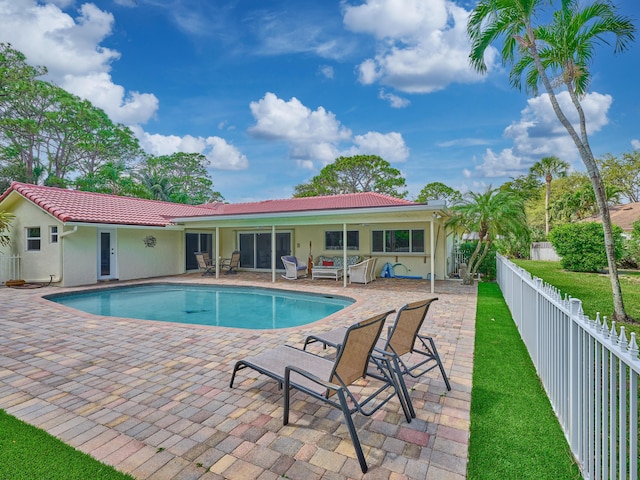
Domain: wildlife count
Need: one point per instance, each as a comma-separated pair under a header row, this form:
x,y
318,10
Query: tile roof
x,y
621,215
330,202
77,206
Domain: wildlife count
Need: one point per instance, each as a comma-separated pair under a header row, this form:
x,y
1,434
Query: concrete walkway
x,y
153,399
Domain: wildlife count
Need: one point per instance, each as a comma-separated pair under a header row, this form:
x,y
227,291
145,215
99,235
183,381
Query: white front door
x,y
107,265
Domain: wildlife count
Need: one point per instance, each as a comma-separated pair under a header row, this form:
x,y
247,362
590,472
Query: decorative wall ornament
x,y
149,241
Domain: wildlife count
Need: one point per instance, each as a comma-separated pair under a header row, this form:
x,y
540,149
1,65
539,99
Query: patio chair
x,y
371,269
403,338
292,269
324,378
358,272
203,265
231,264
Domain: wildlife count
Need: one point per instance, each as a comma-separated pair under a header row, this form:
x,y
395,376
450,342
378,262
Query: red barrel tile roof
x,y
77,206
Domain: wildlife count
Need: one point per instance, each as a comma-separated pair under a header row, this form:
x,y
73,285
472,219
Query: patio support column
x,y
273,254
217,253
432,252
344,254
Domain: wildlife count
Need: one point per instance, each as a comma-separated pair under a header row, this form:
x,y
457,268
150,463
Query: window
x,y
33,239
53,234
333,240
396,241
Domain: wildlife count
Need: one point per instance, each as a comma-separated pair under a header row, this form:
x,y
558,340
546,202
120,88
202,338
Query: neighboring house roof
x,y
89,207
621,215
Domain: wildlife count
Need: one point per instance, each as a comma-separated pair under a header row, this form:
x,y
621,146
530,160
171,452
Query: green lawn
x,y
514,432
593,289
28,453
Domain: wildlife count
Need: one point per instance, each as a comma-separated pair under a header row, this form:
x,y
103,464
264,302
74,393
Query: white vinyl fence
x,y
9,268
589,369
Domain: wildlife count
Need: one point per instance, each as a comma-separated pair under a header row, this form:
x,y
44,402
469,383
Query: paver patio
x,y
153,398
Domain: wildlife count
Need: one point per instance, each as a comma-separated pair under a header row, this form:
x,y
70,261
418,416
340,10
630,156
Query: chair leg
x,y
352,431
407,405
437,358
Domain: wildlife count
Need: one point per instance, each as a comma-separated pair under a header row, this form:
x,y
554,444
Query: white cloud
x,y
635,143
316,135
422,44
131,108
292,121
70,49
225,156
326,71
539,133
294,31
394,100
389,146
222,155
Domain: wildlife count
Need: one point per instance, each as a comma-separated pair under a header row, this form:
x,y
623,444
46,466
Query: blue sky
x,y
272,90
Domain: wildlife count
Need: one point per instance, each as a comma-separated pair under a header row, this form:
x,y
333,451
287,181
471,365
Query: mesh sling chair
x,y
403,338
231,264
204,264
325,379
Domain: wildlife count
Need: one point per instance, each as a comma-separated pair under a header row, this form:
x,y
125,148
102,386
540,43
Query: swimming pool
x,y
224,306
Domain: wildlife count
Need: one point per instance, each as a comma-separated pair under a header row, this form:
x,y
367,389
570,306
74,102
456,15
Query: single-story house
x,y
76,238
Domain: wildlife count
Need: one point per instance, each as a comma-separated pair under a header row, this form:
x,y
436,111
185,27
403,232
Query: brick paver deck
x,y
153,399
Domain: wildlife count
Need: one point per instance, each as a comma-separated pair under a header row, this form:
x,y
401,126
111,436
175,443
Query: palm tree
x,y
490,214
547,168
565,50
159,187
5,221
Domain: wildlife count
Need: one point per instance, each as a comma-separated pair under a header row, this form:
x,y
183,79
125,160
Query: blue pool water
x,y
239,307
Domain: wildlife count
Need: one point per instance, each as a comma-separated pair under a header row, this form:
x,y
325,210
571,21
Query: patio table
x,y
327,272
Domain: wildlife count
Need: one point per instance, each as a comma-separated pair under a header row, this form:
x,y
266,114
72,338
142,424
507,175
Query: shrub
x,y
632,246
581,246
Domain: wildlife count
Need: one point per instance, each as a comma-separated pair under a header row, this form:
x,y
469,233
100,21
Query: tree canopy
x,y
360,173
623,173
439,191
49,136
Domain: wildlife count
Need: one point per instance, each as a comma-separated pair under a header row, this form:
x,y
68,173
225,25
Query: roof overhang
x,y
307,214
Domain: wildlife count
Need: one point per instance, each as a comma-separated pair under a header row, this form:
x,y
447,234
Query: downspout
x,y
58,279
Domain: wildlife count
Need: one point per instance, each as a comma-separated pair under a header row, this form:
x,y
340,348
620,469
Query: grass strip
x,y
514,432
28,453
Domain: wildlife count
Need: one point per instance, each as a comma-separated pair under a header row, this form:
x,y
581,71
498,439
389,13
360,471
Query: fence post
x,y
574,377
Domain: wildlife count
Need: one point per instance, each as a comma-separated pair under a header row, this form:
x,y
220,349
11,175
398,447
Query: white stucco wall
x,y
135,260
36,266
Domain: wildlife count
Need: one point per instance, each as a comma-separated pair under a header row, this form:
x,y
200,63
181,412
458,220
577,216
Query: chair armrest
x,y
308,375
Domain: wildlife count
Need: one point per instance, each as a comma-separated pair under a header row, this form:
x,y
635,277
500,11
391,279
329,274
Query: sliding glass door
x,y
255,249
197,242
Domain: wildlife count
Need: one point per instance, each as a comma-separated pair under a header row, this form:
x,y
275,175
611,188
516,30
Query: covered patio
x,y
152,399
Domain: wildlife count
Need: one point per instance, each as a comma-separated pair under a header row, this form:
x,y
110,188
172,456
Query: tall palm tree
x,y
546,168
490,214
564,49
